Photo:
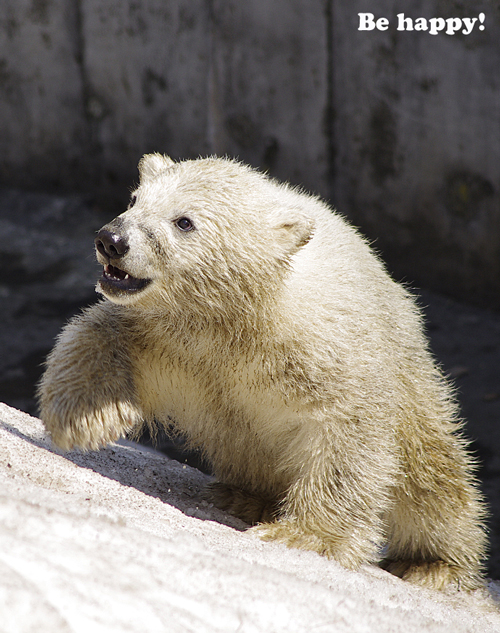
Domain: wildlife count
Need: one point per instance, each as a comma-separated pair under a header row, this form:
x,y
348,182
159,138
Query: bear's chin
x,y
116,284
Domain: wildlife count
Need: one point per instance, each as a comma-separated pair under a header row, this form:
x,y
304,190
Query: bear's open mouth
x,y
117,280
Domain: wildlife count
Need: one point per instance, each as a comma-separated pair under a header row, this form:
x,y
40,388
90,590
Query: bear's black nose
x,y
111,244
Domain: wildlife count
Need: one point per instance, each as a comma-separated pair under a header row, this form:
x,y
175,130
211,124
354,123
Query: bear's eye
x,y
184,224
132,201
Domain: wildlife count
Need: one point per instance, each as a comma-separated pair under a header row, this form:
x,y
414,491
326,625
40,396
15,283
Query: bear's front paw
x,y
87,427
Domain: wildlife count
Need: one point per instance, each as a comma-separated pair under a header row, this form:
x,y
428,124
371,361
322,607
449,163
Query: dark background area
x,y
400,130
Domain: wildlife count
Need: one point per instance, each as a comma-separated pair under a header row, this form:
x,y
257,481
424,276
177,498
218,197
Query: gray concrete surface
x,y
417,141
399,129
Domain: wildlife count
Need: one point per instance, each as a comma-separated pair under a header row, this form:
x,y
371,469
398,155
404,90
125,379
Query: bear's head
x,y
201,235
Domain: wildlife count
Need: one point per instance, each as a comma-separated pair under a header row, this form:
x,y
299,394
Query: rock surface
x,y
121,540
48,272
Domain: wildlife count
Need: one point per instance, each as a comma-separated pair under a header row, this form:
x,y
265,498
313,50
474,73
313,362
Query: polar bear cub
x,y
260,322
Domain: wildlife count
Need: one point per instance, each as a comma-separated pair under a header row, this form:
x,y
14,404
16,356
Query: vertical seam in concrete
x,y
80,52
329,121
217,137
212,91
90,123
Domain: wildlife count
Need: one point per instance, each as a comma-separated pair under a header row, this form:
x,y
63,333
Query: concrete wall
x,y
400,130
417,140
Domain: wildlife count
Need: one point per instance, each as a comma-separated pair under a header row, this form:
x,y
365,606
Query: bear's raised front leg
x,y
87,394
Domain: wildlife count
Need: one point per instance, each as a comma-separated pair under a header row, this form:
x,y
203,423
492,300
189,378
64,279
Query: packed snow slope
x,y
122,540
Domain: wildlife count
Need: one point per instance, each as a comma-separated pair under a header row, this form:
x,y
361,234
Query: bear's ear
x,y
151,165
294,232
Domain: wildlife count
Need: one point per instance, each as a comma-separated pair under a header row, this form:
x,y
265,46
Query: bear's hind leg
x,y
434,575
436,536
